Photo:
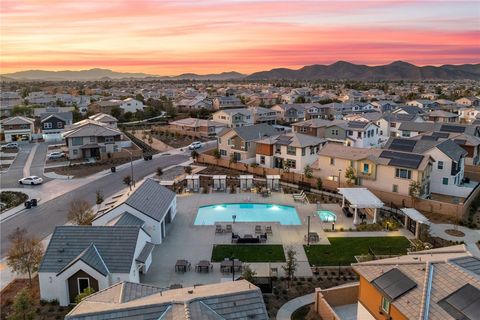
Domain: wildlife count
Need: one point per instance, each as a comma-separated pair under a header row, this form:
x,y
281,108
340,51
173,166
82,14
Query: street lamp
x,y
339,174
308,231
131,165
232,258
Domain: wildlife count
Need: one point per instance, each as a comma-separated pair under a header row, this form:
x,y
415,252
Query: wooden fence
x,y
426,206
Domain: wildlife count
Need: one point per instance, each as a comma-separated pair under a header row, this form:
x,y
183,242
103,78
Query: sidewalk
x,y
32,194
470,238
285,311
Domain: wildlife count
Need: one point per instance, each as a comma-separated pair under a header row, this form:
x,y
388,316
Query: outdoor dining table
x,y
313,236
226,265
203,265
181,265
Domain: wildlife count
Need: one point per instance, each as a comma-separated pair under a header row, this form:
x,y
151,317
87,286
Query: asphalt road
x,y
42,220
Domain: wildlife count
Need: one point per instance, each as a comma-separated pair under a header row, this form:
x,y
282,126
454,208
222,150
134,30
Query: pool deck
x,y
184,240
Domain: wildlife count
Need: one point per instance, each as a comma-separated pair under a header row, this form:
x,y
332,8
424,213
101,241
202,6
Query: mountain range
x,y
340,70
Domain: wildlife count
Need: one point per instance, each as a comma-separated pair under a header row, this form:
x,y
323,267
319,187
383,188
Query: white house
x,y
294,150
151,206
78,257
18,129
234,118
131,105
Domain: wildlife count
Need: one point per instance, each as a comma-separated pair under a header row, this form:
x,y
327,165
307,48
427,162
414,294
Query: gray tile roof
x,y
91,257
146,251
452,150
128,219
115,245
151,199
133,291
255,132
66,116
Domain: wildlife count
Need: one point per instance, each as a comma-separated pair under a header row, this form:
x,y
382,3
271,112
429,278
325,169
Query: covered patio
x,y
413,220
360,198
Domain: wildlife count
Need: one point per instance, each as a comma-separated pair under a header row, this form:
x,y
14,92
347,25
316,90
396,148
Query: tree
x,y
88,291
291,265
128,181
414,191
350,175
216,154
248,274
319,183
159,171
116,112
307,171
81,213
286,166
194,154
25,253
140,97
99,197
188,170
23,306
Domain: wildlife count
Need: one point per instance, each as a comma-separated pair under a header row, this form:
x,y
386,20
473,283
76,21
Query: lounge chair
x,y
302,198
258,229
263,238
268,229
347,212
235,237
301,194
228,228
218,228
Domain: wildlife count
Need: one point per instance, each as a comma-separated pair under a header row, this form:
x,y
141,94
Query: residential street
x,y
42,220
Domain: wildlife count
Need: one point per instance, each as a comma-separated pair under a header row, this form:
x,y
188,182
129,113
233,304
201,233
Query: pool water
x,y
247,212
327,216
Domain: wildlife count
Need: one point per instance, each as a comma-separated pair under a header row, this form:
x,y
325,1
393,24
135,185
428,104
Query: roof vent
x,y
190,291
59,260
61,250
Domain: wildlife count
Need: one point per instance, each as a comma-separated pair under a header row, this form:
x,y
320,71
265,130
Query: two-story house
x,y
292,150
234,118
468,115
442,116
206,128
227,102
448,171
92,139
105,118
53,124
362,134
239,143
377,169
390,123
18,129
131,105
293,112
315,127
469,101
264,115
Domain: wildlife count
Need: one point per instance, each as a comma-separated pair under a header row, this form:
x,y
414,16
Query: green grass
x,y
248,253
301,313
342,250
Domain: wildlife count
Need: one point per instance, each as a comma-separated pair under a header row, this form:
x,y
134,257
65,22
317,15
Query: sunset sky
x,y
173,37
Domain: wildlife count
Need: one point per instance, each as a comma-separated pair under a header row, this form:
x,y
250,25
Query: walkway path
x,y
471,236
28,163
285,311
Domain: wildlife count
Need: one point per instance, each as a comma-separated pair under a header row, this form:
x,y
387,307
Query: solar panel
x,y
469,263
442,135
460,141
429,138
405,160
284,140
357,124
403,145
463,303
394,283
451,128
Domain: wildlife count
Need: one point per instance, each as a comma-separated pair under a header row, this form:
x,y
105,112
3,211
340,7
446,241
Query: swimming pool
x,y
327,216
247,212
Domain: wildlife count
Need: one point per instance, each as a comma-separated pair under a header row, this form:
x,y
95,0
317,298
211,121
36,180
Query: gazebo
x,y
360,198
246,181
273,182
413,219
193,182
220,183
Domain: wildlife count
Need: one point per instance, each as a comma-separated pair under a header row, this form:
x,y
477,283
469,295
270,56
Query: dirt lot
x,y
327,278
43,310
212,170
83,170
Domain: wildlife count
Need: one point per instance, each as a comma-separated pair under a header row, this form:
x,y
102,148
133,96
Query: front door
x,y
78,282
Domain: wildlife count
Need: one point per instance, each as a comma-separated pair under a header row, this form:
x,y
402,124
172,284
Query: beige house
x,y
202,127
18,129
384,170
234,118
92,139
240,143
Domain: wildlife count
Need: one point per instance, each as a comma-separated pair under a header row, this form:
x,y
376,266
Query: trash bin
x,y
33,202
113,169
145,158
28,204
150,157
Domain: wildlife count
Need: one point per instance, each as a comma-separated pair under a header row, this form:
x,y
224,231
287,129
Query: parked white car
x,y
10,145
195,145
56,155
31,180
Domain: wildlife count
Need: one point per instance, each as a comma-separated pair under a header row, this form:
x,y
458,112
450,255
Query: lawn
x,y
341,251
248,253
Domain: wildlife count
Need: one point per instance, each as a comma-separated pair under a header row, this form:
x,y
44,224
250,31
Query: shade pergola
x,y
220,182
246,181
360,198
413,219
273,182
193,182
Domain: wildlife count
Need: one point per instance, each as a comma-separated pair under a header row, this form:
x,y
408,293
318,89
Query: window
x,y
75,151
109,139
445,181
278,149
92,139
291,163
47,125
262,159
303,152
405,133
440,165
115,148
291,150
77,141
395,188
403,173
332,161
359,135
103,149
83,283
366,168
385,305
59,124
223,152
246,146
303,129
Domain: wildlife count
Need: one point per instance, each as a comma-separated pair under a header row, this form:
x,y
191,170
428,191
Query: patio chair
x,y
268,229
302,198
228,228
258,229
301,194
218,228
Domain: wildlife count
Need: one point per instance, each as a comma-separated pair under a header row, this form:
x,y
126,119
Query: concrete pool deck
x,y
187,241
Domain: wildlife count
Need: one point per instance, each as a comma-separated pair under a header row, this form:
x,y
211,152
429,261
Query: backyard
x,y
342,251
249,253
